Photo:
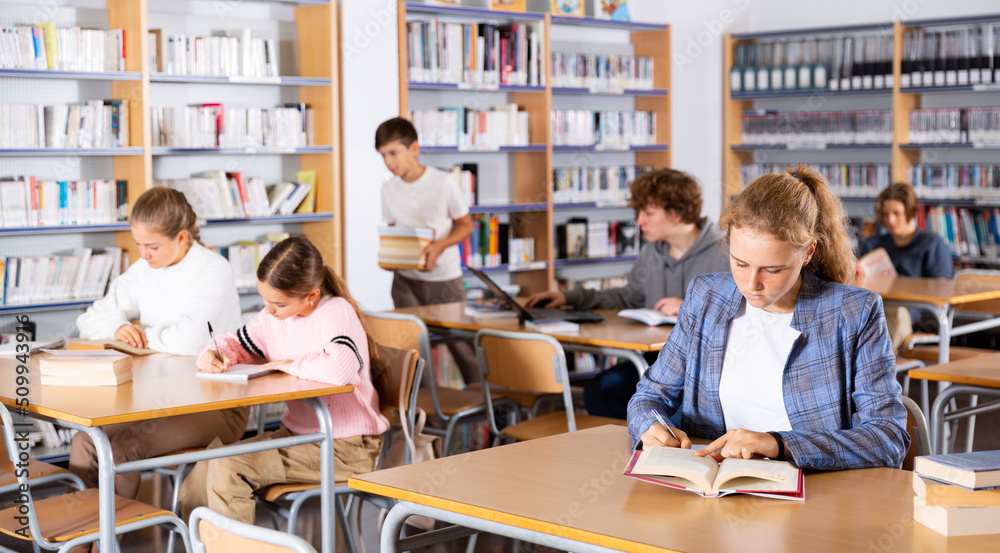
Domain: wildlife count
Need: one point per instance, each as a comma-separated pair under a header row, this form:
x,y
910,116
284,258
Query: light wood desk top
x,y
613,332
978,371
571,485
162,385
933,290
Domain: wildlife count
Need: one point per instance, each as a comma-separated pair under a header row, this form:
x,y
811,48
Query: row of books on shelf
x,y
956,181
592,283
230,195
602,72
608,129
492,245
848,180
958,494
822,127
81,274
603,185
855,62
968,232
444,370
955,125
478,54
579,238
950,56
26,201
94,124
246,255
216,126
467,175
47,47
234,54
502,125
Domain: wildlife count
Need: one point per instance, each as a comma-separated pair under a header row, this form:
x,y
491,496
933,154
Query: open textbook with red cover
x,y
682,469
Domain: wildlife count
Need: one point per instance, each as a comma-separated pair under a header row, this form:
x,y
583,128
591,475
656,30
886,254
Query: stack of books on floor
x,y
958,494
85,368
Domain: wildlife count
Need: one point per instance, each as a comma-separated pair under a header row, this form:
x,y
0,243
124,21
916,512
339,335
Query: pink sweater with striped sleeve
x,y
315,344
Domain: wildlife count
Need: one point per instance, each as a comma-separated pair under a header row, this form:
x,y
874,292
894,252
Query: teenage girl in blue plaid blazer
x,y
783,358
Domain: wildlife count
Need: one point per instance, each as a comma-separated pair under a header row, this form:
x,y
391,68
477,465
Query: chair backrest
x,y
405,371
987,277
404,331
10,451
523,362
212,532
400,331
916,425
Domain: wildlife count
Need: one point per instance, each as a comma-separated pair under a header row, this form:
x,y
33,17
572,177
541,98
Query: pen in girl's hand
x,y
664,424
218,352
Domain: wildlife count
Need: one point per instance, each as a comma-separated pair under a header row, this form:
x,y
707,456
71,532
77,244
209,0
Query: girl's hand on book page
x,y
278,365
741,443
668,306
209,362
657,436
131,335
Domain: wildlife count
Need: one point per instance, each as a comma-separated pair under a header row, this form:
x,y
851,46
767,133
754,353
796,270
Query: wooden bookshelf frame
x,y
903,155
318,57
531,172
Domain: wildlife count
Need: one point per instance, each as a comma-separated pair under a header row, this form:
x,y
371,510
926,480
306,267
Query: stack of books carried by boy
x,y
958,494
403,247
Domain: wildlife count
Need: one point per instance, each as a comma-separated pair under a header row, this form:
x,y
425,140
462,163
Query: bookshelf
x,y
898,159
309,73
516,182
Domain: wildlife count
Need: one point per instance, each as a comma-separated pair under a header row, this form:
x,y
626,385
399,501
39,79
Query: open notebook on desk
x,y
535,313
240,372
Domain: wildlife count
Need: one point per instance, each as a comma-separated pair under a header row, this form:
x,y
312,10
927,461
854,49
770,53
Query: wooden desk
x,y
614,336
938,296
163,386
969,377
567,492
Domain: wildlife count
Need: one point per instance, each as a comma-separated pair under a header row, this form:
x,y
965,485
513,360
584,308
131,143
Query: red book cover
x,y
219,120
238,178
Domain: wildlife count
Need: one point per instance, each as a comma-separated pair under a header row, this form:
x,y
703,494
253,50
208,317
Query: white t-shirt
x,y
757,350
434,200
174,304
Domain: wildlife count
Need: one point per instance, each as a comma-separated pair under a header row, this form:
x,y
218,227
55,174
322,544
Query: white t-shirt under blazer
x,y
756,353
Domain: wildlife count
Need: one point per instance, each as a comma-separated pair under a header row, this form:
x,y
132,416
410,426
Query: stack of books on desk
x,y
85,368
958,494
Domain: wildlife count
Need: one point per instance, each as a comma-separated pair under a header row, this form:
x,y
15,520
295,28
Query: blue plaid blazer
x,y
839,382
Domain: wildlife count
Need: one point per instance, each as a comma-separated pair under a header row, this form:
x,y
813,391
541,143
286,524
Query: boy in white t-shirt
x,y
419,196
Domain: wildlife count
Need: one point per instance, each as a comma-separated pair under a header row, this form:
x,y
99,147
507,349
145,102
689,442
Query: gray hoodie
x,y
656,275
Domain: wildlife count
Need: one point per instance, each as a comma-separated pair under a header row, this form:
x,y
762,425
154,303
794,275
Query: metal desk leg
x,y
327,496
938,417
105,485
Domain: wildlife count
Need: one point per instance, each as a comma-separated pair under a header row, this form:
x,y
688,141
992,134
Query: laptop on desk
x,y
536,313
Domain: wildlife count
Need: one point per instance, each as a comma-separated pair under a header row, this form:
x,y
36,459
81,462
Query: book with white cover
x,y
651,317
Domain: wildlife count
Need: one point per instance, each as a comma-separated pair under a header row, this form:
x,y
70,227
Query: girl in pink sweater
x,y
309,328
